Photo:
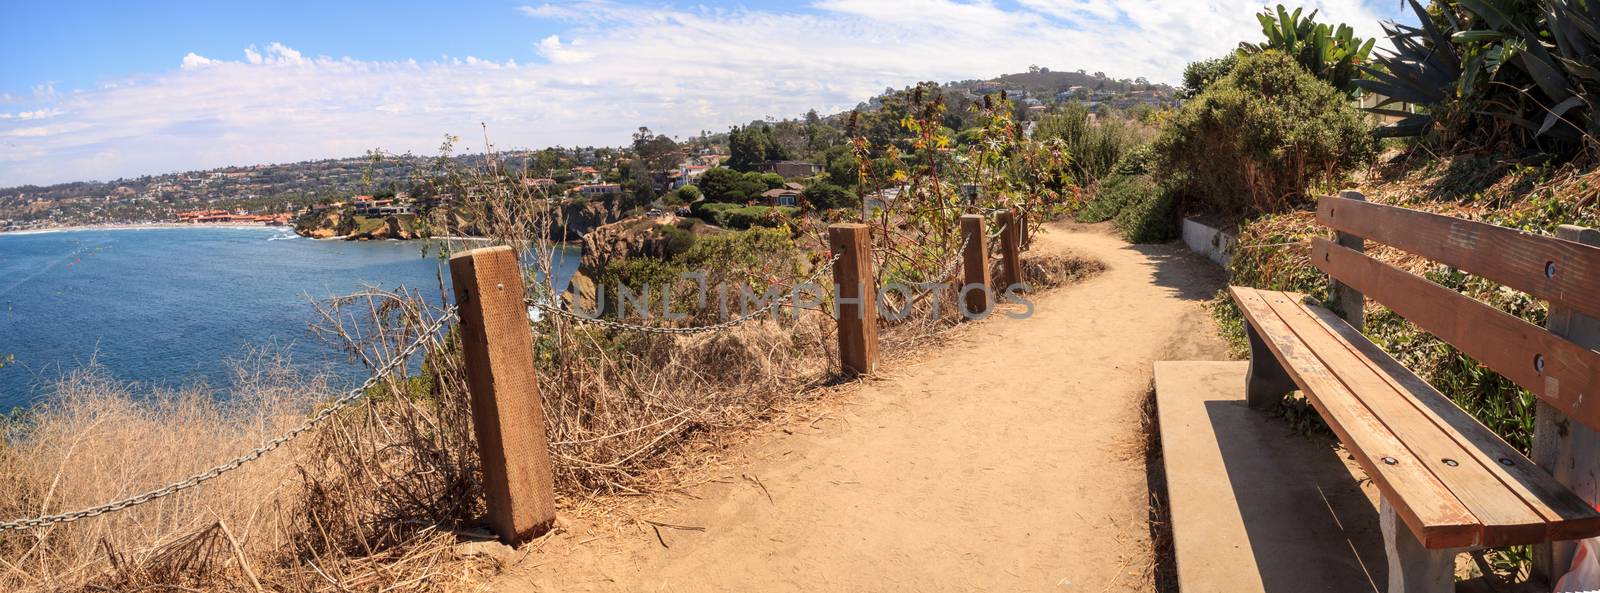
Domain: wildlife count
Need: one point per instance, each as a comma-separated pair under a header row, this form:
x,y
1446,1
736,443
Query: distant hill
x,y
285,187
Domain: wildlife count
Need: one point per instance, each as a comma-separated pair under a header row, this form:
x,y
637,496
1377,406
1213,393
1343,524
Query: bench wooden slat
x,y
1506,518
1570,378
1432,512
1570,516
1508,256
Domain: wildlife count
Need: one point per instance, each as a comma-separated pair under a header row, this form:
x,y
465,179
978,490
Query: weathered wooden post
x,y
1569,450
1009,248
975,265
1026,240
1347,302
855,297
507,413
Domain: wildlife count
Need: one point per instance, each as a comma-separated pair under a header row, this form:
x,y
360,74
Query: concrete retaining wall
x,y
1214,243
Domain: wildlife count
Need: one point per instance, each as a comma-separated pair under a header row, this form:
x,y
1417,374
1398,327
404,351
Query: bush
x,y
1095,148
1257,139
1115,193
1149,217
735,216
678,239
720,184
827,196
688,194
1197,76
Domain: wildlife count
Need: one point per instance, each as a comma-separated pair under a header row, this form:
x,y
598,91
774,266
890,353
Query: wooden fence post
x,y
1009,249
1026,240
975,264
1568,450
1347,302
507,412
855,297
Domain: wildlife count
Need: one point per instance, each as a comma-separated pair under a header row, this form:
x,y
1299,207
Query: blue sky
x,y
99,90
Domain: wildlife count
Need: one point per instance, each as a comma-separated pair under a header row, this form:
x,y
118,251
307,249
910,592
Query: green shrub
x,y
827,196
1148,217
1257,139
1115,193
1137,161
739,217
1197,76
1096,148
1507,75
678,239
688,194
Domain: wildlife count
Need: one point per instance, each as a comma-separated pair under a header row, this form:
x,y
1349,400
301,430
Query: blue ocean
x,y
171,306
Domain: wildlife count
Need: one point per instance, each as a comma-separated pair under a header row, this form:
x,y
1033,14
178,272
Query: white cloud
x,y
551,48
194,60
616,67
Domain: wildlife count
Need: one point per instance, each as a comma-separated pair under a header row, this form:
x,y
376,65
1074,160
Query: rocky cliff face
x,y
574,220
634,237
569,221
343,225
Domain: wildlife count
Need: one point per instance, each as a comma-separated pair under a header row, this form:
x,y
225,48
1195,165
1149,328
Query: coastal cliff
x,y
351,227
570,221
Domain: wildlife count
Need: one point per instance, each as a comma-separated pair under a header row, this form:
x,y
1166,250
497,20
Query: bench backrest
x,y
1565,273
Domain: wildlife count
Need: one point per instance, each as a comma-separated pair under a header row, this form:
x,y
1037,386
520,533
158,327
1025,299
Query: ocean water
x,y
170,307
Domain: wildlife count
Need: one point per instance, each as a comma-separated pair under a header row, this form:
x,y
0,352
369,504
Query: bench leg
x,y
1413,568
1267,382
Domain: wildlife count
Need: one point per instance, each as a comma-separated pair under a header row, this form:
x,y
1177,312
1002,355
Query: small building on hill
x,y
792,168
781,197
598,189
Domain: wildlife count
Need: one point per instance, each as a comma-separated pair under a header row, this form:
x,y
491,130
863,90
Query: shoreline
x,y
243,227
143,226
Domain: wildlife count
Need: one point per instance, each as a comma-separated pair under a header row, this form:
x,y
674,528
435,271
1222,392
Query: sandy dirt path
x,y
1008,459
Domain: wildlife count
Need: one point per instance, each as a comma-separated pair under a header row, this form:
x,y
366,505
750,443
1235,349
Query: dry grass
x,y
368,502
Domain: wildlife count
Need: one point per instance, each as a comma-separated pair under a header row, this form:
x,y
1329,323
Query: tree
x,y
659,153
717,183
1199,75
841,166
827,196
688,194
753,145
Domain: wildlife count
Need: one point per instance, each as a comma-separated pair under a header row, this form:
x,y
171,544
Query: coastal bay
x,y
162,305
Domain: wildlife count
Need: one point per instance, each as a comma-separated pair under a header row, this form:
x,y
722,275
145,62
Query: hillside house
x,y
598,189
781,197
789,169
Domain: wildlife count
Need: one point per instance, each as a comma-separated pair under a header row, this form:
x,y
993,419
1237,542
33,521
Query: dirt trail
x,y
1008,459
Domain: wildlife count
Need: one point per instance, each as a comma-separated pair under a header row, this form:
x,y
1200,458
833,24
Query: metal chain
x,y
655,329
341,403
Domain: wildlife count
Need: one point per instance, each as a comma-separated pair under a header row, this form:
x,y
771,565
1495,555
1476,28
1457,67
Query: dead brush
x,y
370,501
100,440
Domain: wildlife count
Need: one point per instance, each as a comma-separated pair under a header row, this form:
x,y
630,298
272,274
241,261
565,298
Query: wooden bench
x,y
1453,483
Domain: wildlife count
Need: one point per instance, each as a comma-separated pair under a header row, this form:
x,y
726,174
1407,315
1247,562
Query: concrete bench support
x,y
1267,382
1413,568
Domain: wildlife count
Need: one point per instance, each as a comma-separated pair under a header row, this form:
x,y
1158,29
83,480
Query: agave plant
x,y
1332,54
1532,64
